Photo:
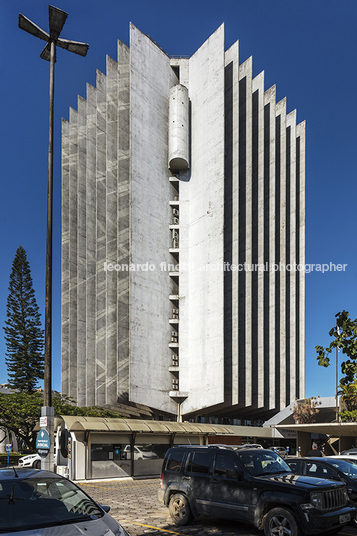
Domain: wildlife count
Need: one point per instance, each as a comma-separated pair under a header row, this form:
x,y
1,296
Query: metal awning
x,y
103,424
334,429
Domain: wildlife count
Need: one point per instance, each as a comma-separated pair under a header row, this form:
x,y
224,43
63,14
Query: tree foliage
x,y
345,339
348,394
305,411
23,333
21,411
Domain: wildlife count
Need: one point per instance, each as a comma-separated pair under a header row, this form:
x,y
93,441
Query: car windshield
x,y
347,468
35,502
259,463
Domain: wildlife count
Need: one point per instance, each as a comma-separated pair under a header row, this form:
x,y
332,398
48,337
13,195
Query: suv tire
x,y
280,522
37,464
180,510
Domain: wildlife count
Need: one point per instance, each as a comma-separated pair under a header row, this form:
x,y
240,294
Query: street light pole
x,y
57,18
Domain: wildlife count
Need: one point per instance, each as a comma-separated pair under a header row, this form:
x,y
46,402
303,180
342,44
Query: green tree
x,y
20,412
348,394
24,335
345,339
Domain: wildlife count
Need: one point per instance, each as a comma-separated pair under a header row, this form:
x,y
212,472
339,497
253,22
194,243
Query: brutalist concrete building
x,y
183,237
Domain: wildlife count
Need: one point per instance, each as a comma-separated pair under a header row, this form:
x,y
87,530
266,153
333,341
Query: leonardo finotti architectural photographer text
x,y
225,267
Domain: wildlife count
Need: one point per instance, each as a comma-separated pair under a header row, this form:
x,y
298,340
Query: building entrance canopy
x,y
336,429
101,424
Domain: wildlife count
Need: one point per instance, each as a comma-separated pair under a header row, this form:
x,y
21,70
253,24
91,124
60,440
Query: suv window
x,y
198,462
320,471
224,463
174,461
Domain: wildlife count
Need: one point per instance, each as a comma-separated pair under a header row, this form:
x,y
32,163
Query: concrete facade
x,y
172,291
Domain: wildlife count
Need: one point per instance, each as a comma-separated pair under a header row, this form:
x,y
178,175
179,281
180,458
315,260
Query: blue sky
x,y
307,48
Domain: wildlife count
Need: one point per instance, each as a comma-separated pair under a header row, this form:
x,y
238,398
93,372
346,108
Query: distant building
x,y
183,221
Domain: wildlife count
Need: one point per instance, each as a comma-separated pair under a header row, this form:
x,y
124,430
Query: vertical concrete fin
x,y
300,197
201,238
73,250
245,231
258,239
270,276
123,221
81,254
101,306
151,77
280,328
231,221
112,119
65,259
292,273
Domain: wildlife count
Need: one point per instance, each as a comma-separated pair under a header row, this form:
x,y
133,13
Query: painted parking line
x,y
155,528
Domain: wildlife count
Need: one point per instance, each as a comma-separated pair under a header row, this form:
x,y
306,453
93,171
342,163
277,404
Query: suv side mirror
x,y
234,474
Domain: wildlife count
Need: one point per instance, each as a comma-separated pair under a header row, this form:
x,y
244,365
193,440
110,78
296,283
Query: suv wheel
x,y
37,464
180,510
280,522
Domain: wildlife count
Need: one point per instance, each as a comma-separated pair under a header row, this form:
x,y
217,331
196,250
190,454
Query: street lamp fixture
x,y
57,18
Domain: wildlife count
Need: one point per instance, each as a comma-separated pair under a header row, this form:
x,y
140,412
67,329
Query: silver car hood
x,y
105,526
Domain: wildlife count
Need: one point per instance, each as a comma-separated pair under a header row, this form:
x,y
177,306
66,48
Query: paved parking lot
x,y
135,505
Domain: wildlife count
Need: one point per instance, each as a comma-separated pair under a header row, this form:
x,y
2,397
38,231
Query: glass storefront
x,y
115,460
110,460
148,458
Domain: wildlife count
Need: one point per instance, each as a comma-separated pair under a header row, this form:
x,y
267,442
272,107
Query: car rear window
x,y
174,461
199,462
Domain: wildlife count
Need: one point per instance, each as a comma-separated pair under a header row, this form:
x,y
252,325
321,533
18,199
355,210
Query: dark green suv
x,y
251,485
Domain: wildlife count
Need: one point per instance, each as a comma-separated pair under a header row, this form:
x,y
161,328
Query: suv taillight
x,y
162,481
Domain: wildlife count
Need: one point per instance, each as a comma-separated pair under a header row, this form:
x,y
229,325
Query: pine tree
x,y
23,333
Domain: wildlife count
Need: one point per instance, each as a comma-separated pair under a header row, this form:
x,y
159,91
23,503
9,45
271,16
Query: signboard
x,y
8,448
43,443
43,422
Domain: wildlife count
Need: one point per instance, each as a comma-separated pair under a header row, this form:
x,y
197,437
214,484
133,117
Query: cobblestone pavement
x,y
135,505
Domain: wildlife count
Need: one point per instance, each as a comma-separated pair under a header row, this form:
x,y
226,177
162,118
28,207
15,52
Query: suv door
x,y
231,493
197,476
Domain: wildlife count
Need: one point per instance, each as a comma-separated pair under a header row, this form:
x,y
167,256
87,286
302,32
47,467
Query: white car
x,y
140,453
352,458
31,460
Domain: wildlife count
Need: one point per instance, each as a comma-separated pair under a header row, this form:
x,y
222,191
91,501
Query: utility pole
x,y
57,18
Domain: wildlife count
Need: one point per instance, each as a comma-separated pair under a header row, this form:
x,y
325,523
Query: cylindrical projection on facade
x,y
178,128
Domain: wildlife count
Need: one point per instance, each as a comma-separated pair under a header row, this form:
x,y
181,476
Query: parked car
x,y
34,502
349,451
140,453
31,460
280,450
250,446
333,468
253,486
